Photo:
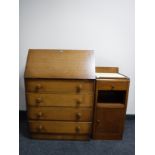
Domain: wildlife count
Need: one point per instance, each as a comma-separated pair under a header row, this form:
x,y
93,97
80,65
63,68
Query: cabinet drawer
x,y
57,113
59,86
60,127
112,84
66,100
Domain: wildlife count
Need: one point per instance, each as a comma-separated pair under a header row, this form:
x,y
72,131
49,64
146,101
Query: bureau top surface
x,y
63,64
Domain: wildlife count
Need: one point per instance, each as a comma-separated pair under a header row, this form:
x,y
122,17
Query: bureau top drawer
x,y
112,84
58,86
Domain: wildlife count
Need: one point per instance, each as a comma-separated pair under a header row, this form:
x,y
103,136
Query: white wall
x,y
106,26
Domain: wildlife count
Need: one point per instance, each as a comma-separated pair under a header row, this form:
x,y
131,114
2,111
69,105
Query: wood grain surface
x,y
66,64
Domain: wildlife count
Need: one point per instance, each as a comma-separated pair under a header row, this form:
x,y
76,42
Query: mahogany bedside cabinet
x,y
60,86
110,103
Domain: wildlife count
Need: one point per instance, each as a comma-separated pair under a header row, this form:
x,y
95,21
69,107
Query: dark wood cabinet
x,y
109,121
110,107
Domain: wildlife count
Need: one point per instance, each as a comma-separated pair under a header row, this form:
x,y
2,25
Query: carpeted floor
x,y
52,147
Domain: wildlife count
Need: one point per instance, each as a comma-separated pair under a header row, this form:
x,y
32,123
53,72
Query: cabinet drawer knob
x,y
39,114
38,100
38,87
78,102
39,128
77,129
78,116
78,89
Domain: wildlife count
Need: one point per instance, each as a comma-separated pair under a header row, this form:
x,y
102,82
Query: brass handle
x,y
39,114
38,100
78,116
40,128
79,88
38,86
77,129
78,102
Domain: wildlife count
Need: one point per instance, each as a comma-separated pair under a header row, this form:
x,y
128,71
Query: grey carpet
x,y
53,147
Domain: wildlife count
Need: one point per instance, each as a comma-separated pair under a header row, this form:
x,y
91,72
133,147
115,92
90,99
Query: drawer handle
x,y
78,89
39,114
38,100
78,102
39,128
78,116
77,129
38,87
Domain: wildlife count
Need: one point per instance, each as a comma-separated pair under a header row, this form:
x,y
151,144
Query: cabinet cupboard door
x,y
109,121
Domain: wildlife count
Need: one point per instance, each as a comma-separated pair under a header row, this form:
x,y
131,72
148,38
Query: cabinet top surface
x,y
63,64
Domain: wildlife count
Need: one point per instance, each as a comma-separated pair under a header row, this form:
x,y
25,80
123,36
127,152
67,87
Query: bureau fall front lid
x,y
62,64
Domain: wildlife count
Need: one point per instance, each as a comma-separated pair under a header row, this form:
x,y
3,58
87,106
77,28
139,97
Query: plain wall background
x,y
106,26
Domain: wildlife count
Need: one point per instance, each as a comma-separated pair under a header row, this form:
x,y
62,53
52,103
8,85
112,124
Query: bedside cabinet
x,y
110,104
60,87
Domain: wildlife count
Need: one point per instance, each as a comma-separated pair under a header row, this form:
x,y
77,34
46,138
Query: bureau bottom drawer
x,y
60,127
60,136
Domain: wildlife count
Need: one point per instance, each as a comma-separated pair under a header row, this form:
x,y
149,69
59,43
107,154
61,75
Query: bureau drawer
x,y
59,86
57,113
60,127
112,84
66,100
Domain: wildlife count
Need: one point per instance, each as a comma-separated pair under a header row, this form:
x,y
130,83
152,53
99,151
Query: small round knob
x,y
38,86
38,100
78,102
77,129
78,116
79,87
40,128
39,114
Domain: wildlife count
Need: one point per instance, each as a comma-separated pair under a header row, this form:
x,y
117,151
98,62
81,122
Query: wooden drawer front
x,y
58,86
60,127
60,113
112,84
66,100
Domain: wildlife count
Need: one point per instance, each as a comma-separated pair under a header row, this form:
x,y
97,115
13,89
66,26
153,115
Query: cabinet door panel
x,y
109,119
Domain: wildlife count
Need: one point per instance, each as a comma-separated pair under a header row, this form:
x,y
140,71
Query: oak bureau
x,y
68,100
60,87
